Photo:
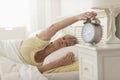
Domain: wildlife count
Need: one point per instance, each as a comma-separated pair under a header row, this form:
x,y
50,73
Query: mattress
x,y
74,75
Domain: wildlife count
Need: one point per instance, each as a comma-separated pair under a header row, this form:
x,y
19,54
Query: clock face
x,y
88,32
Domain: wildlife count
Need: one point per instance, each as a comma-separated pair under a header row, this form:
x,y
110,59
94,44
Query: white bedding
x,y
74,75
12,67
10,49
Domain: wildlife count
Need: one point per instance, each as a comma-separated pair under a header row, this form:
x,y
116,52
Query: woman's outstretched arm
x,y
50,31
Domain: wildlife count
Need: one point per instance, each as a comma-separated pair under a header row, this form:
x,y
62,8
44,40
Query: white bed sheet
x,y
74,75
10,70
12,67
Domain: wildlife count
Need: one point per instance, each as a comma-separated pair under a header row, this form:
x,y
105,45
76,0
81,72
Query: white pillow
x,y
61,52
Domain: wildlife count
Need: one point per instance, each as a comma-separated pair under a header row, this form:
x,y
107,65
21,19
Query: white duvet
x,y
12,67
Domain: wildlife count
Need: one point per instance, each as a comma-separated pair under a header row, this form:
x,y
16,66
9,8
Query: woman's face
x,y
63,42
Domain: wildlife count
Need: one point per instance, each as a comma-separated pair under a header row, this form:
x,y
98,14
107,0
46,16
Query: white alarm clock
x,y
92,31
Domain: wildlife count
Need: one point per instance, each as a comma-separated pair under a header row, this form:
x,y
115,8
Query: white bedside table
x,y
100,62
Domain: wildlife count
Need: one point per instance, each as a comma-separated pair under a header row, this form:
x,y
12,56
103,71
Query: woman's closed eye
x,y
63,38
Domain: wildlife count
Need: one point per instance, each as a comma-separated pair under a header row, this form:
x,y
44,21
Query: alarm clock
x,y
92,31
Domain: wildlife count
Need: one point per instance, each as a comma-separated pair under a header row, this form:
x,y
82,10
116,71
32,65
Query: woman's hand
x,y
86,15
51,31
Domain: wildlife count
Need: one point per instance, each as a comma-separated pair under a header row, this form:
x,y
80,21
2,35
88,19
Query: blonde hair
x,y
73,38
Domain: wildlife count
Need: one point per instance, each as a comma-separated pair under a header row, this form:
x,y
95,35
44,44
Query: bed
x,y
73,75
12,67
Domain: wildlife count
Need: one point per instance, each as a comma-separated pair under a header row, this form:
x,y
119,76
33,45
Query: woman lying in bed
x,y
35,49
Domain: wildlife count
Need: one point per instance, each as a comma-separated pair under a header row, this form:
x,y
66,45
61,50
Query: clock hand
x,y
87,33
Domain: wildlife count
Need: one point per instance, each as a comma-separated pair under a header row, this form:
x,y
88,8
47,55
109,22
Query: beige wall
x,y
12,33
